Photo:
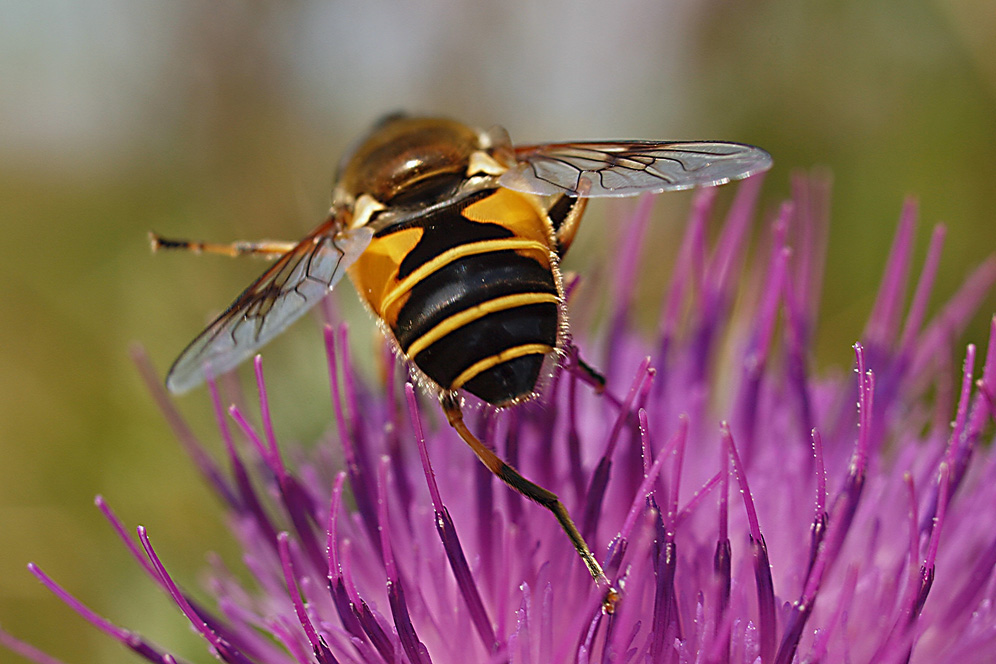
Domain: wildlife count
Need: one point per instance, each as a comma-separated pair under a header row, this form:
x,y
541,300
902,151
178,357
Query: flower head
x,y
745,508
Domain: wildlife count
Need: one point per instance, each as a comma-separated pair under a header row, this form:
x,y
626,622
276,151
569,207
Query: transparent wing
x,y
295,283
627,168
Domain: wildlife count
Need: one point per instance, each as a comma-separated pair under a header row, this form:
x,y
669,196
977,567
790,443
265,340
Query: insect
x,y
453,238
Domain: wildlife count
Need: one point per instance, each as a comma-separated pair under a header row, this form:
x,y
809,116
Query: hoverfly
x,y
453,237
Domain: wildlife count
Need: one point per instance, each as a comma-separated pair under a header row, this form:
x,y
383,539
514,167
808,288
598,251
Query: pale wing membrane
x,y
605,169
295,283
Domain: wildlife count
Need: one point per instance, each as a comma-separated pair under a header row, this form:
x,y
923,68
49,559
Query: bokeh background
x,y
225,119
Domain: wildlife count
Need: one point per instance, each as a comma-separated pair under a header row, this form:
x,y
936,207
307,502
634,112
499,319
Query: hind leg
x,y
510,476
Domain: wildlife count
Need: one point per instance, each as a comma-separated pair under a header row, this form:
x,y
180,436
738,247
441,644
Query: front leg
x,y
269,249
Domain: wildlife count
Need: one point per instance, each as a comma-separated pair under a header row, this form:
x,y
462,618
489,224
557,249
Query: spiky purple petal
x,y
862,535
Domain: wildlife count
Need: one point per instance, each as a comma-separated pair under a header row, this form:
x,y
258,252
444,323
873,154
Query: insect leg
x,y
589,374
510,476
565,216
265,248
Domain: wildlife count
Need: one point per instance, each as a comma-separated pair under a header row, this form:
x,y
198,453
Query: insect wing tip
x,y
747,161
757,161
180,381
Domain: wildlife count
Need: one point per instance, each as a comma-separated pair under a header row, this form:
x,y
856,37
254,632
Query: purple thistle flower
x,y
747,510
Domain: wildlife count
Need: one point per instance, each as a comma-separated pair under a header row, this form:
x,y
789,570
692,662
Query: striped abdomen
x,y
469,292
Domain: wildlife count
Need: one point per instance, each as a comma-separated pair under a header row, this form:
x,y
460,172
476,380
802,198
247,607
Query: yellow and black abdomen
x,y
470,293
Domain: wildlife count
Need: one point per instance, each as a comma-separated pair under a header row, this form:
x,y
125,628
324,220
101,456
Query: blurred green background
x,y
224,120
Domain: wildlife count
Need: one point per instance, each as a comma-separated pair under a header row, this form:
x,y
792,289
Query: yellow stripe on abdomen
x,y
473,313
395,296
508,354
